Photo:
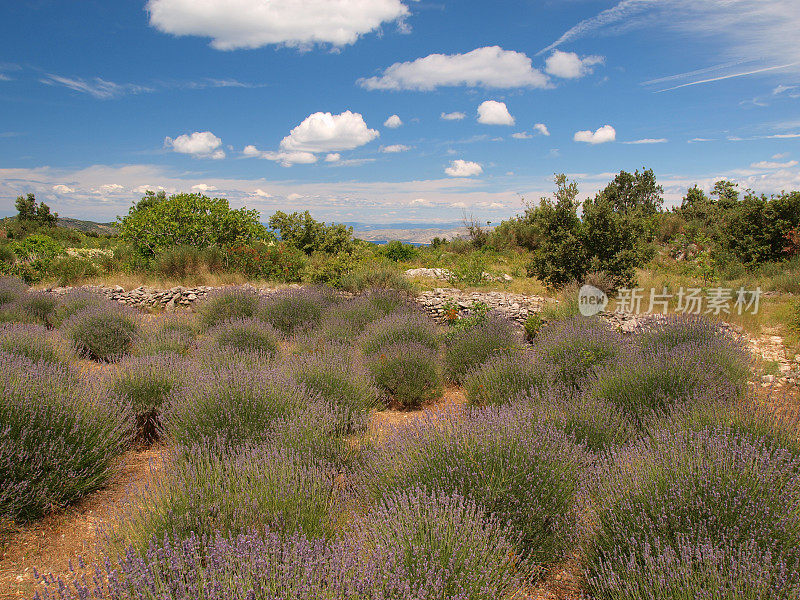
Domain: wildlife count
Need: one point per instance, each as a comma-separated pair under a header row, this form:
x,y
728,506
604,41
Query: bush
x,y
268,260
408,372
292,309
229,303
101,333
245,335
442,545
74,302
180,262
468,348
207,491
399,328
39,306
35,343
596,423
239,405
169,334
397,251
375,276
504,376
702,514
70,270
339,379
345,322
11,290
523,472
577,347
58,438
145,384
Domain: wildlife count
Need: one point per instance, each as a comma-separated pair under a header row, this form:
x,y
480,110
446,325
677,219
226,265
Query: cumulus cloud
x,y
452,116
203,188
324,132
395,148
333,157
463,168
261,193
200,144
490,67
539,128
63,189
568,65
492,112
522,135
233,24
421,202
542,128
769,165
648,141
604,134
393,122
286,159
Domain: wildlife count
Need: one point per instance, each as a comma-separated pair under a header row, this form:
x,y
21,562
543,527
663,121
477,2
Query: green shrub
x,y
227,304
180,262
172,334
101,333
268,260
39,306
328,269
468,348
245,335
70,270
399,328
503,377
209,490
375,276
292,309
408,372
397,251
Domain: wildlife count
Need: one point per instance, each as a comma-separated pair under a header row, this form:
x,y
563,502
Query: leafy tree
x,y
31,213
302,231
634,194
158,222
613,241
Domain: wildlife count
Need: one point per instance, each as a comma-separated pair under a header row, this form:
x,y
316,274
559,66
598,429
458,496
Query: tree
x,y
158,222
634,194
302,231
31,213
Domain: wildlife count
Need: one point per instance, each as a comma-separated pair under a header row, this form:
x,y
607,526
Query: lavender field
x,y
642,465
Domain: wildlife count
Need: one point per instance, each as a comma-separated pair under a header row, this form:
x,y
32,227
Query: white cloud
x,y
97,87
699,140
542,128
261,193
568,65
490,67
604,134
109,188
463,168
492,112
421,202
458,205
324,132
780,156
333,157
453,116
200,144
294,196
203,188
648,141
522,135
763,33
393,122
286,159
63,189
395,148
236,24
765,164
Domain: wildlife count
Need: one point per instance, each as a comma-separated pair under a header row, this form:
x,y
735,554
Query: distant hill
x,y
86,226
410,236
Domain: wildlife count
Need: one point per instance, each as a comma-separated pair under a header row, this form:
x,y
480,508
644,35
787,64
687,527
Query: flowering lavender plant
x,y
398,328
292,309
345,322
695,514
102,333
35,343
408,372
58,437
174,333
503,458
209,490
245,335
38,307
11,289
229,303
468,348
504,376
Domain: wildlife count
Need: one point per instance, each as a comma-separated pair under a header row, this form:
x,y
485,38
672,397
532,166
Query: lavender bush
x,y
293,309
174,334
39,307
442,542
58,438
408,372
698,514
504,376
11,289
522,471
399,328
468,348
101,333
574,348
345,322
145,384
245,335
74,302
35,343
208,490
329,370
596,423
229,303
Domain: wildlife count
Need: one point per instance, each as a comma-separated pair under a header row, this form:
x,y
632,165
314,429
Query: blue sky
x,y
391,110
